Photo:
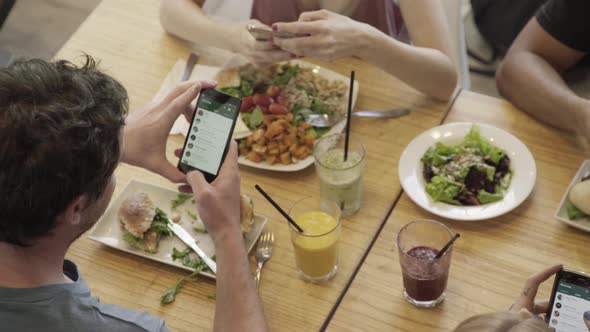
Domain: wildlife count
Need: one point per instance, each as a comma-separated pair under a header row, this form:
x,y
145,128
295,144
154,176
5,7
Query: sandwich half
x,y
142,222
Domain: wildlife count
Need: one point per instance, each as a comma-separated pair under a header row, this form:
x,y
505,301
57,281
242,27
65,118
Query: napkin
x,y
200,72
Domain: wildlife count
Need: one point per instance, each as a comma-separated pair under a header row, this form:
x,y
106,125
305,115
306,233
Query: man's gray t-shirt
x,y
68,307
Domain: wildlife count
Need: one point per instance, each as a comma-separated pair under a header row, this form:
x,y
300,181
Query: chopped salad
x,y
275,101
474,172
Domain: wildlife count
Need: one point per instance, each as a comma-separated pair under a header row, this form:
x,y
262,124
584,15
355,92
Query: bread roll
x,y
580,196
137,213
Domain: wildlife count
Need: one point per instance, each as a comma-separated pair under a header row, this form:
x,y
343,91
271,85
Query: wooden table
x,y
127,37
492,258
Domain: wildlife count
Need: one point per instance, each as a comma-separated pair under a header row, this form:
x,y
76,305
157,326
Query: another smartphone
x,y
210,133
264,34
570,299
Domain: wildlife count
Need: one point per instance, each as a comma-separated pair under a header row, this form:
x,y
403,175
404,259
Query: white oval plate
x,y
338,128
522,161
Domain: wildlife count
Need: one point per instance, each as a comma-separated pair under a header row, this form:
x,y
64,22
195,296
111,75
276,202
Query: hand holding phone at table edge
x,y
525,303
146,130
258,52
218,202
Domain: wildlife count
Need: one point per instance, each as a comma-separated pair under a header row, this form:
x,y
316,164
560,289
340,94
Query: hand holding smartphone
x,y
570,301
210,133
265,34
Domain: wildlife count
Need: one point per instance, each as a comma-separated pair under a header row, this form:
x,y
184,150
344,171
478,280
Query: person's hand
x,y
218,202
586,318
525,303
146,130
259,53
325,35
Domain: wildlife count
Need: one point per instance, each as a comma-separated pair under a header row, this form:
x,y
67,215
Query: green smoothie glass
x,y
340,181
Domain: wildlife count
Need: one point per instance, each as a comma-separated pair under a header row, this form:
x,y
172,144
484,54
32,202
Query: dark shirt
x,y
567,21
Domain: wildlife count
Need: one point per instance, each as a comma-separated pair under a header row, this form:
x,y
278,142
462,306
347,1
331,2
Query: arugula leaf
x,y
132,240
177,254
255,118
485,197
192,215
180,199
319,107
170,294
573,212
160,223
199,227
288,72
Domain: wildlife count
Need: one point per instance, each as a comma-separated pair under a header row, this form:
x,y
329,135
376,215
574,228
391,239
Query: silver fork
x,y
263,252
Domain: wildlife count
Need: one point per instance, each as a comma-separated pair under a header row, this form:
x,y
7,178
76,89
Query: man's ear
x,y
72,214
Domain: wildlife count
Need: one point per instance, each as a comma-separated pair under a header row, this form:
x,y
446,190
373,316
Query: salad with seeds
x,y
474,172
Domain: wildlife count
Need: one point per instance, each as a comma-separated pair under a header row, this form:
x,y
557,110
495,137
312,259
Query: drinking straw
x,y
281,211
447,246
351,85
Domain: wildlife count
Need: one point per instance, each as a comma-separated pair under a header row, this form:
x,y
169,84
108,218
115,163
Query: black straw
x,y
349,117
447,246
281,211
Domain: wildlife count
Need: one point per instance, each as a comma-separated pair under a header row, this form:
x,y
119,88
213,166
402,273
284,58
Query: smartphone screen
x,y
569,301
210,133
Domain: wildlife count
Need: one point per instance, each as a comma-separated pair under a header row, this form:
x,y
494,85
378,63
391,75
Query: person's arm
x,y
185,19
530,78
425,65
238,307
144,144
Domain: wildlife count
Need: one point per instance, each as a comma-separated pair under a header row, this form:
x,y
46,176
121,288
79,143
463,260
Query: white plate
x,y
338,128
108,230
522,163
561,213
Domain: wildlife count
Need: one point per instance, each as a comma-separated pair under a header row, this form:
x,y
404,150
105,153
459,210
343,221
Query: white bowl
x,y
522,163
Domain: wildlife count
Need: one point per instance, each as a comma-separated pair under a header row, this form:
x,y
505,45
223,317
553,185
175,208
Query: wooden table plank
x,y
127,37
492,258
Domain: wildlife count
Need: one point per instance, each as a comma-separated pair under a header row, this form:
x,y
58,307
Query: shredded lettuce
x,y
441,189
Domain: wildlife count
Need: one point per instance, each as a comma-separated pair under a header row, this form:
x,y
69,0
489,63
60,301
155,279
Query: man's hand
x,y
525,303
146,130
218,202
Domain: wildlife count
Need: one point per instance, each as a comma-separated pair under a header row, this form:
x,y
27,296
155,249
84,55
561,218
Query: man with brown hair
x,y
63,131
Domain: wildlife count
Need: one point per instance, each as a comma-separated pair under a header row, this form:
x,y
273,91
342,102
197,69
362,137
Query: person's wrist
x,y
229,232
369,37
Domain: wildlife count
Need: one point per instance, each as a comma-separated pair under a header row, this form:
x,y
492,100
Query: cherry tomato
x,y
264,110
283,100
273,91
247,104
278,109
262,99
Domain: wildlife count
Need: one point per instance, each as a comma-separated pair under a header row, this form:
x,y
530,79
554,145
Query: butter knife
x,y
192,60
185,236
